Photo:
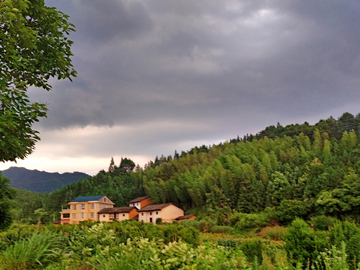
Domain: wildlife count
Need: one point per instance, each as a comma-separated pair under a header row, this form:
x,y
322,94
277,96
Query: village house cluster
x,y
101,208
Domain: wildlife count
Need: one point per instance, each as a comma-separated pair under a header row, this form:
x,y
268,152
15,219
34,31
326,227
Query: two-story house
x,y
85,208
140,202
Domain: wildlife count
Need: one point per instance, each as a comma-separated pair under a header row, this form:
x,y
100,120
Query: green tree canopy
x,y
33,48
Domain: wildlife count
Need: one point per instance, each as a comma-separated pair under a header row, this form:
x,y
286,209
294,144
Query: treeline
x,y
297,170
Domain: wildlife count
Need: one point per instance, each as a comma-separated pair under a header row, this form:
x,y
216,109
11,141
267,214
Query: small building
x,y
85,208
117,213
167,212
186,217
140,202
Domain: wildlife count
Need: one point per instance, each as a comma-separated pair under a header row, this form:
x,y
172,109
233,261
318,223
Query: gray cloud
x,y
230,66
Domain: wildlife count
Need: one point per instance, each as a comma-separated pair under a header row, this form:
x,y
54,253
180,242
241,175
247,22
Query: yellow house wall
x,y
122,216
105,217
119,216
170,212
145,217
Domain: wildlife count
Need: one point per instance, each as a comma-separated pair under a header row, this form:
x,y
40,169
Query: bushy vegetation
x,y
134,245
126,245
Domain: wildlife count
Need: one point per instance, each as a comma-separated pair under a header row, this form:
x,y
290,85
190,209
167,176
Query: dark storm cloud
x,y
219,63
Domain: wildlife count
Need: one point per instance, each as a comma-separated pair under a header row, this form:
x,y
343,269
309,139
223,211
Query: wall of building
x,y
170,212
150,217
106,217
122,216
81,211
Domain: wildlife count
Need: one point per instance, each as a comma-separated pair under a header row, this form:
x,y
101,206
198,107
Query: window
x,y
82,215
74,207
142,214
103,215
123,215
157,213
92,215
73,215
66,215
150,213
92,206
83,206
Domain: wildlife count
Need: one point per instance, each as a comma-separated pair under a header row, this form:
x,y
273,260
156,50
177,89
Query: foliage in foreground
x,y
132,245
99,247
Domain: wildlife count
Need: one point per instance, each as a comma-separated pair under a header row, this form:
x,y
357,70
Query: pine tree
x,y
112,165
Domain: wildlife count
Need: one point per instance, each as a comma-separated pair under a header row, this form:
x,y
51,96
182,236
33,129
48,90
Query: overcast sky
x,y
155,76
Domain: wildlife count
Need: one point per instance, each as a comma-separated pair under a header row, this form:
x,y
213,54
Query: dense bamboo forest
x,y
286,172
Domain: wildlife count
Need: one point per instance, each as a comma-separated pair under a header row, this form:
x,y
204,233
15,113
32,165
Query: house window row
x,y
83,206
81,215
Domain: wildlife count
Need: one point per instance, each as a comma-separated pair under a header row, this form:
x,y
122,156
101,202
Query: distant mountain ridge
x,y
40,181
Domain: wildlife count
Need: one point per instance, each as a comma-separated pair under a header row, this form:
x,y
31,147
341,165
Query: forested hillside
x,y
297,170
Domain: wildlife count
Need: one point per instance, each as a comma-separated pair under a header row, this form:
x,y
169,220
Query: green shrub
x,y
9,237
253,249
246,221
205,225
276,233
303,244
41,249
289,210
322,223
348,233
190,235
191,223
158,221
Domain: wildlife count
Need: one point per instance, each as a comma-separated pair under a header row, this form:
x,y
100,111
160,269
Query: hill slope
x,y
40,181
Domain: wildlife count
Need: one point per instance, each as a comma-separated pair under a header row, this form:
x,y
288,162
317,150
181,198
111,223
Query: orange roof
x,y
139,199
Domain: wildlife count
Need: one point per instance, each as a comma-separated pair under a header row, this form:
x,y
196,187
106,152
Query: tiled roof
x,y
184,217
154,207
139,199
113,210
88,198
